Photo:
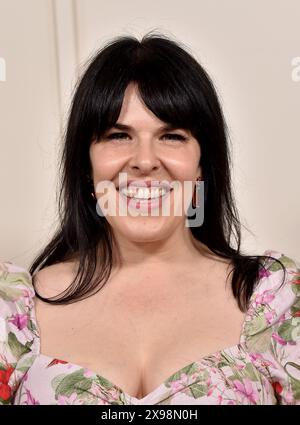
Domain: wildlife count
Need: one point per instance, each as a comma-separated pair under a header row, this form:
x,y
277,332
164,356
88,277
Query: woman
x,y
139,309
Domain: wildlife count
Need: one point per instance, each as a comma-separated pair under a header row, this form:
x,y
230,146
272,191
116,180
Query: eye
x,y
175,136
121,136
116,136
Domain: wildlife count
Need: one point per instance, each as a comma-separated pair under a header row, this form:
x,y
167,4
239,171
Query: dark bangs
x,y
173,86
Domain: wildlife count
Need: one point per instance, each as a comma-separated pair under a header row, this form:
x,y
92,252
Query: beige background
x,y
246,46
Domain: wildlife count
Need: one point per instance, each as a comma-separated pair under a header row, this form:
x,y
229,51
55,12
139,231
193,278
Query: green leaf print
x,y
295,383
249,371
104,382
286,261
256,325
75,380
295,307
260,342
31,326
197,390
57,380
296,283
8,293
287,330
25,363
16,347
189,370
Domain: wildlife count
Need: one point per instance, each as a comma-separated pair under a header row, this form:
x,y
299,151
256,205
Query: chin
x,y
143,229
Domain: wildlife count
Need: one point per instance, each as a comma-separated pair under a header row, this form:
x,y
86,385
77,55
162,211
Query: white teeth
x,y
144,193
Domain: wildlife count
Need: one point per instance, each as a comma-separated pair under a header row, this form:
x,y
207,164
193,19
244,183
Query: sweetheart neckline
x,y
239,345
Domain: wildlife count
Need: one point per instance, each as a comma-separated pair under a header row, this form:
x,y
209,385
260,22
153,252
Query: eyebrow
x,y
167,127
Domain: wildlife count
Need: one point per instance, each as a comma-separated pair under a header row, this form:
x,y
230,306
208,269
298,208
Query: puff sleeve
x,y
274,329
18,333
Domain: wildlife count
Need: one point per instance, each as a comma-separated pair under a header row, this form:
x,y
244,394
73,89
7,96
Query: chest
x,y
138,338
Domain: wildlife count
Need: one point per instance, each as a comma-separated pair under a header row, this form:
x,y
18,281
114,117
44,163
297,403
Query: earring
x,y
195,194
90,182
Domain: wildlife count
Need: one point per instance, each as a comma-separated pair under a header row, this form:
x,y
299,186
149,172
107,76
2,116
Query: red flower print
x,y
297,280
56,361
277,387
5,390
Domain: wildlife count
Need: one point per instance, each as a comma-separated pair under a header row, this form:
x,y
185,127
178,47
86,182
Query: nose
x,y
144,157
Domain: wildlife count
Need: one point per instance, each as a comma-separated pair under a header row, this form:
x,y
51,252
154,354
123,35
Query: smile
x,y
144,199
144,193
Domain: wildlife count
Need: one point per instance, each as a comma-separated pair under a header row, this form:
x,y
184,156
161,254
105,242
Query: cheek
x,y
105,165
185,166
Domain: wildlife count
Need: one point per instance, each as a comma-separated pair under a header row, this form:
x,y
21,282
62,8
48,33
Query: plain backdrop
x,y
247,47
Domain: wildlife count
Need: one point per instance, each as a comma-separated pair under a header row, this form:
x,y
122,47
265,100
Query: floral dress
x,y
263,368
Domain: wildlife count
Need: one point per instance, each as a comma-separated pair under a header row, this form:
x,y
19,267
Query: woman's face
x,y
144,152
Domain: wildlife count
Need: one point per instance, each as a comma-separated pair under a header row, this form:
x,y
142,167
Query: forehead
x,y
134,112
135,115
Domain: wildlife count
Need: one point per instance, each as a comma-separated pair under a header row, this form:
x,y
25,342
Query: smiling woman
x,y
135,309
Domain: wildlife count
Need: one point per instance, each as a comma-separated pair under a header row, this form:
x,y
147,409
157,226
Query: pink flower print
x,y
20,320
211,390
180,383
265,298
27,297
269,317
263,273
282,318
26,293
255,356
220,399
258,357
194,375
240,366
30,400
231,402
289,397
278,338
246,389
115,394
296,280
64,400
87,373
97,391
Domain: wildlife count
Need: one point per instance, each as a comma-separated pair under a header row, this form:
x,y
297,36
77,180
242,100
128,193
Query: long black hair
x,y
176,88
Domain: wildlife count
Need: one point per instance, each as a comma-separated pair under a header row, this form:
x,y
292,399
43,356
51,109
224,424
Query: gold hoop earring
x,y
195,194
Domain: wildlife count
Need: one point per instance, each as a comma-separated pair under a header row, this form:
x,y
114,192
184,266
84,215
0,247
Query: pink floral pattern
x,y
263,368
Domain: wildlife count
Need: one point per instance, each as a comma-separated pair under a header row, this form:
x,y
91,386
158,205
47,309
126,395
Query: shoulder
x,y
52,280
272,328
275,298
279,274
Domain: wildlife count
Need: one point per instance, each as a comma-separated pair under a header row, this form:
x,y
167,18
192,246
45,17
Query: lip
x,y
145,183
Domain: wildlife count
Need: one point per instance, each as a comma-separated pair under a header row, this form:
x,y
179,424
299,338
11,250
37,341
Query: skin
x,y
144,153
